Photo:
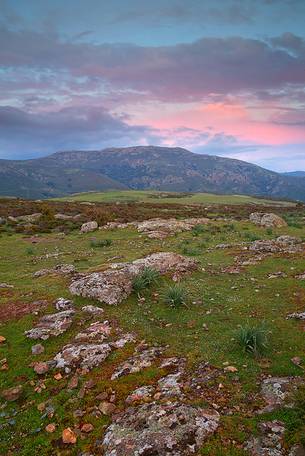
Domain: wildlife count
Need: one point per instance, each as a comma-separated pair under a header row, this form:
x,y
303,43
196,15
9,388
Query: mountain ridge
x,y
142,167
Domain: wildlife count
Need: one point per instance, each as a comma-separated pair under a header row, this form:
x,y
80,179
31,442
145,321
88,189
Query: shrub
x,y
95,244
251,237
29,251
197,229
145,279
175,296
252,339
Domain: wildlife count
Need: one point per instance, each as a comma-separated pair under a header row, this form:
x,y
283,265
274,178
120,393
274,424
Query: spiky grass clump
x,y
175,296
197,229
95,244
145,279
253,339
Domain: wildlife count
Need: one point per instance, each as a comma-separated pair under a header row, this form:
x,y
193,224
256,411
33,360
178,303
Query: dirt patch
x,y
17,309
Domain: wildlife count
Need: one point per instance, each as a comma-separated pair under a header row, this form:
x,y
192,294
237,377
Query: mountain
x,y
294,173
142,167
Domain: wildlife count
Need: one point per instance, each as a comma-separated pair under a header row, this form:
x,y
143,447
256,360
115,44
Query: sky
x,y
223,77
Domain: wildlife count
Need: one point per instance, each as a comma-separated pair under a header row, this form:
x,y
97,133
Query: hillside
x,y
143,167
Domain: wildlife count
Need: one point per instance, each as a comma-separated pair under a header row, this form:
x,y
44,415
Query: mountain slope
x,y
145,167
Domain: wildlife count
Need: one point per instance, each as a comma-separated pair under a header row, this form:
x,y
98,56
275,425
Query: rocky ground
x,y
91,365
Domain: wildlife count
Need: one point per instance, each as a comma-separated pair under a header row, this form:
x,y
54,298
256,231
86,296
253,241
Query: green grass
x,y
149,196
219,301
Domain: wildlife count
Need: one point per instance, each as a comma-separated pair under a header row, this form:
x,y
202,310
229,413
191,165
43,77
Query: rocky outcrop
x,y
283,244
89,226
62,269
115,284
269,442
161,228
31,218
51,325
163,430
277,390
268,220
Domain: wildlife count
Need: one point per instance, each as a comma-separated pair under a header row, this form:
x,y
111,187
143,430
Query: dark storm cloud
x,y
22,133
180,72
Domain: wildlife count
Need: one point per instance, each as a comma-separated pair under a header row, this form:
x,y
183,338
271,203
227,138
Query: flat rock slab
x,y
139,361
115,284
163,430
51,325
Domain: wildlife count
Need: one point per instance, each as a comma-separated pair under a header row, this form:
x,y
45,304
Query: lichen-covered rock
x,y
161,430
63,304
30,218
88,348
51,325
269,442
297,315
89,226
269,220
139,361
63,269
285,244
115,284
276,391
92,310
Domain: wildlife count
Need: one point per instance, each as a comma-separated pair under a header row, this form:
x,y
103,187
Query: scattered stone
x,y
107,408
51,325
68,436
297,315
2,339
296,360
276,275
92,310
30,218
41,368
37,349
139,361
63,269
87,427
73,383
126,338
50,428
12,394
230,369
89,226
115,284
269,220
154,429
6,285
58,376
64,304
300,276
169,386
140,394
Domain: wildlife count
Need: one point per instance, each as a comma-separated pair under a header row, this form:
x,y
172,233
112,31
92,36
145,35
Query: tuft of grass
x,y
175,296
251,237
95,244
252,339
145,279
197,229
29,251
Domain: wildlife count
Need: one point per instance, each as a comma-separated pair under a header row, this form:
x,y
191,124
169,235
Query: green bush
x,y
145,279
175,296
252,339
95,244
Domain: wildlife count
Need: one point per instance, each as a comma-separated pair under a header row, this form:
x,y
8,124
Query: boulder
x,y
163,430
12,394
64,304
51,325
268,220
115,284
89,226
